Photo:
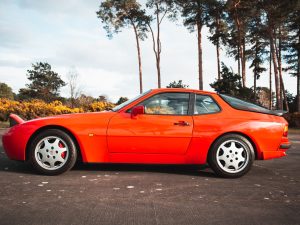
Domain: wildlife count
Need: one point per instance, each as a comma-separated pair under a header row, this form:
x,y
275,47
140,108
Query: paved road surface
x,y
136,194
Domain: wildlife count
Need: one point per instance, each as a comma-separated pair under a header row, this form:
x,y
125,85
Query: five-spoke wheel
x,y
53,152
231,155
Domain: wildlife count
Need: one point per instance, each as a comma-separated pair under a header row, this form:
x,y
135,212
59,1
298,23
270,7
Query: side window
x,y
167,103
204,104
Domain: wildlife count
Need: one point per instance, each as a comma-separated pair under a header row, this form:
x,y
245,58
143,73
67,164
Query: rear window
x,y
243,105
205,105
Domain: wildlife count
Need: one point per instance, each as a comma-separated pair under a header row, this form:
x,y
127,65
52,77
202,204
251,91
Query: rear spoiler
x,y
15,120
278,112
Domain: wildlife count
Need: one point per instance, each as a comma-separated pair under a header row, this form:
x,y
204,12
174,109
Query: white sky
x,y
68,34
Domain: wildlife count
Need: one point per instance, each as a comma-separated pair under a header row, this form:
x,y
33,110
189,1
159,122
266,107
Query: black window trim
x,y
190,104
203,114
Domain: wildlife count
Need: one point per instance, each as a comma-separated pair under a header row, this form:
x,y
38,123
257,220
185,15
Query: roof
x,y
182,90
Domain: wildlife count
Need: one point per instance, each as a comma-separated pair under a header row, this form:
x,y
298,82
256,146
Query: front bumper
x,y
14,142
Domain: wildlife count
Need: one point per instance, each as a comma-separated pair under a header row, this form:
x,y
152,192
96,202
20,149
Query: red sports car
x,y
162,126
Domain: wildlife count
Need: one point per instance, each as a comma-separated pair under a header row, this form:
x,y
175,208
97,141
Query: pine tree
x,y
117,14
161,9
45,83
218,29
258,43
194,13
238,16
292,55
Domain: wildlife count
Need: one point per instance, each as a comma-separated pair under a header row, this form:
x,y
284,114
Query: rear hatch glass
x,y
247,106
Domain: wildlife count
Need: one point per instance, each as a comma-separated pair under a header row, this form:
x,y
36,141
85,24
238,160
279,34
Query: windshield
x,y
118,107
243,105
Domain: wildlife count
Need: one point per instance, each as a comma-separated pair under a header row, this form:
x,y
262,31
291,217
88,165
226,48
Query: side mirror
x,y
140,109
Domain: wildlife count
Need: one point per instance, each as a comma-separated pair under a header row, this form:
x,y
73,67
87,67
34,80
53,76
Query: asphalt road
x,y
137,194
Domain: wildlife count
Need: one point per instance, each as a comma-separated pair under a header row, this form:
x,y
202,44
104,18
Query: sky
x,y
67,34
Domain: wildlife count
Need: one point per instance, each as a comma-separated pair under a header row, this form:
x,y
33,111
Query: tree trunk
x,y
284,95
72,96
282,90
298,91
158,72
298,80
218,47
72,103
218,60
239,47
255,71
280,75
270,81
158,44
277,80
139,58
243,58
240,54
239,61
254,87
199,28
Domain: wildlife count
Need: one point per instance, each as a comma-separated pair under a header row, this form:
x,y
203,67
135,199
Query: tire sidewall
x,y
72,154
212,156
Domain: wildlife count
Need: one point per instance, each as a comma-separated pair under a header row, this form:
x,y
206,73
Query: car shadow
x,y
192,170
17,167
7,165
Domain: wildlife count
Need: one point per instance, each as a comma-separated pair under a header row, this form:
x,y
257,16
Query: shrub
x,y
38,108
100,106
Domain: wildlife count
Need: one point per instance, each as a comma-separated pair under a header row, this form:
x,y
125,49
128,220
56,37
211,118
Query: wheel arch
x,y
41,129
238,133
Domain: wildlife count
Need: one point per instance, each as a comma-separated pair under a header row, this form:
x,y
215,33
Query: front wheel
x,y
231,156
52,152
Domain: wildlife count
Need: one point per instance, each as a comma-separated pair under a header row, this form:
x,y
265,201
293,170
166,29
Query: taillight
x,y
285,131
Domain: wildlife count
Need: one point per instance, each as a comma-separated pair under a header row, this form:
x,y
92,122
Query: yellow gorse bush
x,y
100,106
38,108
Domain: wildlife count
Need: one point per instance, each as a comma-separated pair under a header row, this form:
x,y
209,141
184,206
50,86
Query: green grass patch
x,y
4,124
294,130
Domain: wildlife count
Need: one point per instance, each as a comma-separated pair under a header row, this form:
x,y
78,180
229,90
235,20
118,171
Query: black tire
x,y
64,142
228,162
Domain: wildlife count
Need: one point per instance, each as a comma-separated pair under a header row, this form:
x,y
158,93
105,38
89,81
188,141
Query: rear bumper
x,y
280,152
273,154
285,146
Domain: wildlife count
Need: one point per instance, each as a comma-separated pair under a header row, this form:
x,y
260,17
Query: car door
x,y
165,128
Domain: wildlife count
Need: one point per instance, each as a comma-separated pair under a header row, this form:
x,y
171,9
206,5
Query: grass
x,y
4,124
294,130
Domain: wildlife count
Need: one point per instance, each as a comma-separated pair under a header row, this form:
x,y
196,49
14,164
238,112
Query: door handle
x,y
182,123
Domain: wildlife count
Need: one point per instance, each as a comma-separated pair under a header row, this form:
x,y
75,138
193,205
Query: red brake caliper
x,y
63,154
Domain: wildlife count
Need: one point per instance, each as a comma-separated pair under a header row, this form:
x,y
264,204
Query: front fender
x,y
15,141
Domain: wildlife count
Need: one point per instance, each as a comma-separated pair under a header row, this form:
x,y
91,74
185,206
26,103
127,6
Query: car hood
x,y
69,119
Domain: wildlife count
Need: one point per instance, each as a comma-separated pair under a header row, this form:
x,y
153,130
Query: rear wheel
x,y
52,152
231,156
